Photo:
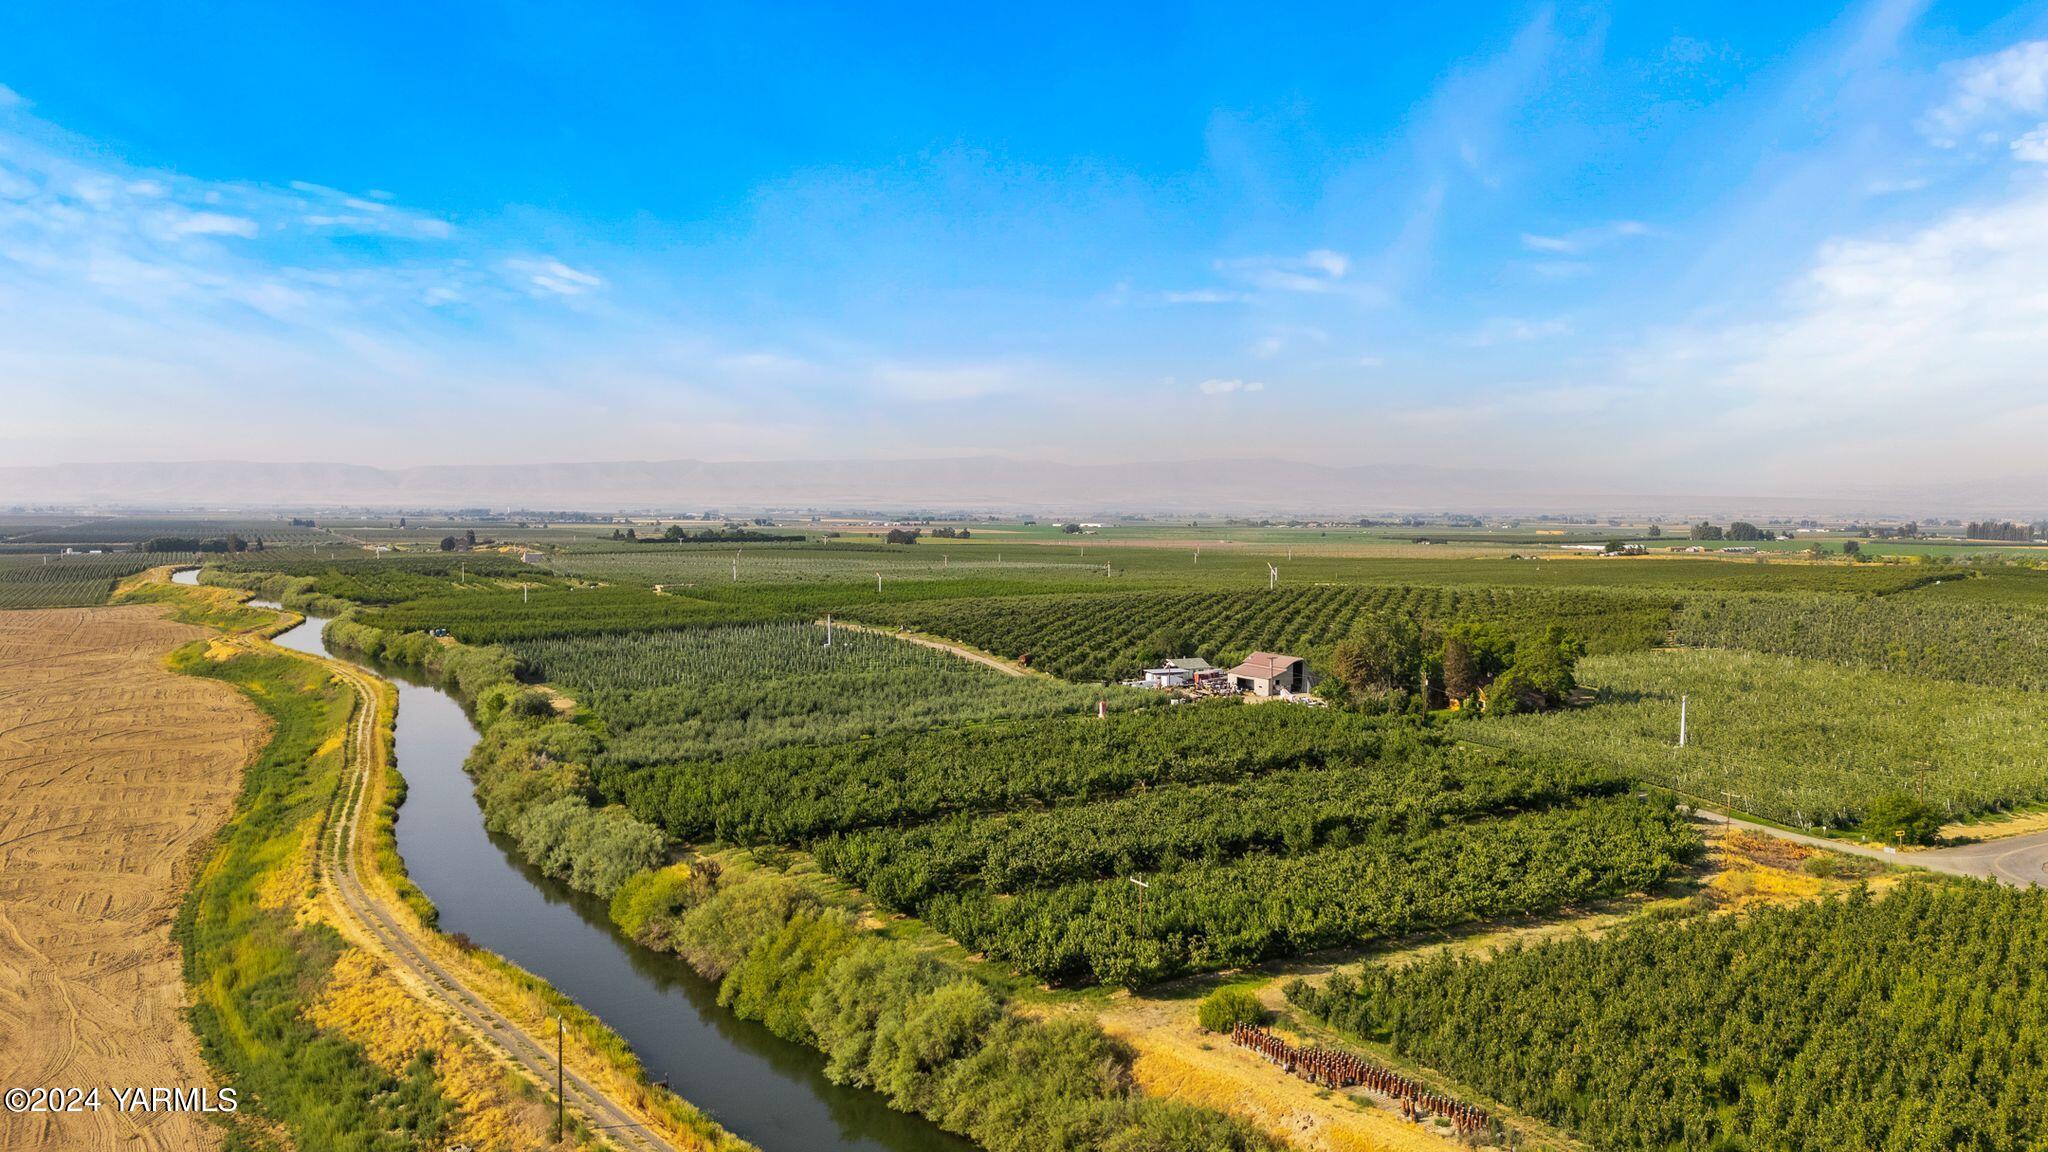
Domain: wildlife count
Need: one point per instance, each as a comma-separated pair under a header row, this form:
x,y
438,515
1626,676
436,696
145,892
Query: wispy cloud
x,y
1225,387
1319,270
550,277
1516,330
1203,296
1584,239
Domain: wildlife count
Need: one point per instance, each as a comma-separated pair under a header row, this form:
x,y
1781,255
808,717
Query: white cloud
x,y
211,224
1924,348
939,382
2033,147
1318,270
1202,296
545,275
9,98
1224,387
1515,330
1584,239
1990,88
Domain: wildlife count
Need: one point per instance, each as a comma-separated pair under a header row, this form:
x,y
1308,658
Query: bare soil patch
x,y
113,770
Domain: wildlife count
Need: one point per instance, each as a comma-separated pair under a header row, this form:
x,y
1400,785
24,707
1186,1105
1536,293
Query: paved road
x,y
2016,860
536,1055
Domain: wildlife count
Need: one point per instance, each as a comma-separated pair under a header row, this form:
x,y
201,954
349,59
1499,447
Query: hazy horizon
x,y
1267,486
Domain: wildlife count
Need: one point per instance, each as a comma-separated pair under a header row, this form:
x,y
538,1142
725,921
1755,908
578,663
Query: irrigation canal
x,y
762,1088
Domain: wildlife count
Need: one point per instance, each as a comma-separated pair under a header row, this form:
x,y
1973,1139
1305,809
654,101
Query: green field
x,y
702,693
1907,1021
1804,742
47,581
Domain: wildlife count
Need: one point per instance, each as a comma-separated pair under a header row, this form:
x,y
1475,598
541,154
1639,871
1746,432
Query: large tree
x,y
1382,654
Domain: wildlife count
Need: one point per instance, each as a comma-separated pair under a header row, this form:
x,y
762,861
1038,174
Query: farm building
x,y
1271,674
1179,672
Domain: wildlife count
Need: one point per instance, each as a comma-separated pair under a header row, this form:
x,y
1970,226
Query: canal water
x,y
763,1089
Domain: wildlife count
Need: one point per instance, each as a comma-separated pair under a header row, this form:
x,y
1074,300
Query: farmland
x,y
707,692
1901,1021
57,581
692,564
1944,632
102,816
1229,891
1107,638
1005,822
132,531
1805,742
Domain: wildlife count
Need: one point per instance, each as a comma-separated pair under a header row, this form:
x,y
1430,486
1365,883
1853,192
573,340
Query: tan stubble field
x,y
113,770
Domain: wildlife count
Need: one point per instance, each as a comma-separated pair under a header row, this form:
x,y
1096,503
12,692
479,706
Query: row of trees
x,y
692,694
1113,637
1907,1021
1207,915
1411,786
1738,530
798,794
232,542
1804,742
1999,530
1956,640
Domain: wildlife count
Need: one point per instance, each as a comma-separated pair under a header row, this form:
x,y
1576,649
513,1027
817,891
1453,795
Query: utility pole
x,y
878,581
1272,577
1143,890
828,630
1681,721
522,593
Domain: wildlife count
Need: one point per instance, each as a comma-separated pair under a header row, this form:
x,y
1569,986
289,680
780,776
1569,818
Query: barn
x,y
1271,674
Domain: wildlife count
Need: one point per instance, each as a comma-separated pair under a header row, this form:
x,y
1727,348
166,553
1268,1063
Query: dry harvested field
x,y
112,770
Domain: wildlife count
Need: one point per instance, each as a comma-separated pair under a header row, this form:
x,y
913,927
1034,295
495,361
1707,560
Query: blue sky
x,y
1641,247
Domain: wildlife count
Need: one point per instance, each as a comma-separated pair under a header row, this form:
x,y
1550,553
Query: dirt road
x,y
113,769
961,650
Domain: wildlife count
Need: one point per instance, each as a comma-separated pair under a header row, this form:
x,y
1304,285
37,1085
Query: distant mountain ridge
x,y
1244,487
963,483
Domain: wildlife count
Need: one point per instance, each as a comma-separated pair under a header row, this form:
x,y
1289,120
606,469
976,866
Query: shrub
x,y
1226,1008
1897,816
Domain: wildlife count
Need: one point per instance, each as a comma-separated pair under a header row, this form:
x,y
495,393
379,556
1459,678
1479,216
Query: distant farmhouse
x,y
1179,673
1271,674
